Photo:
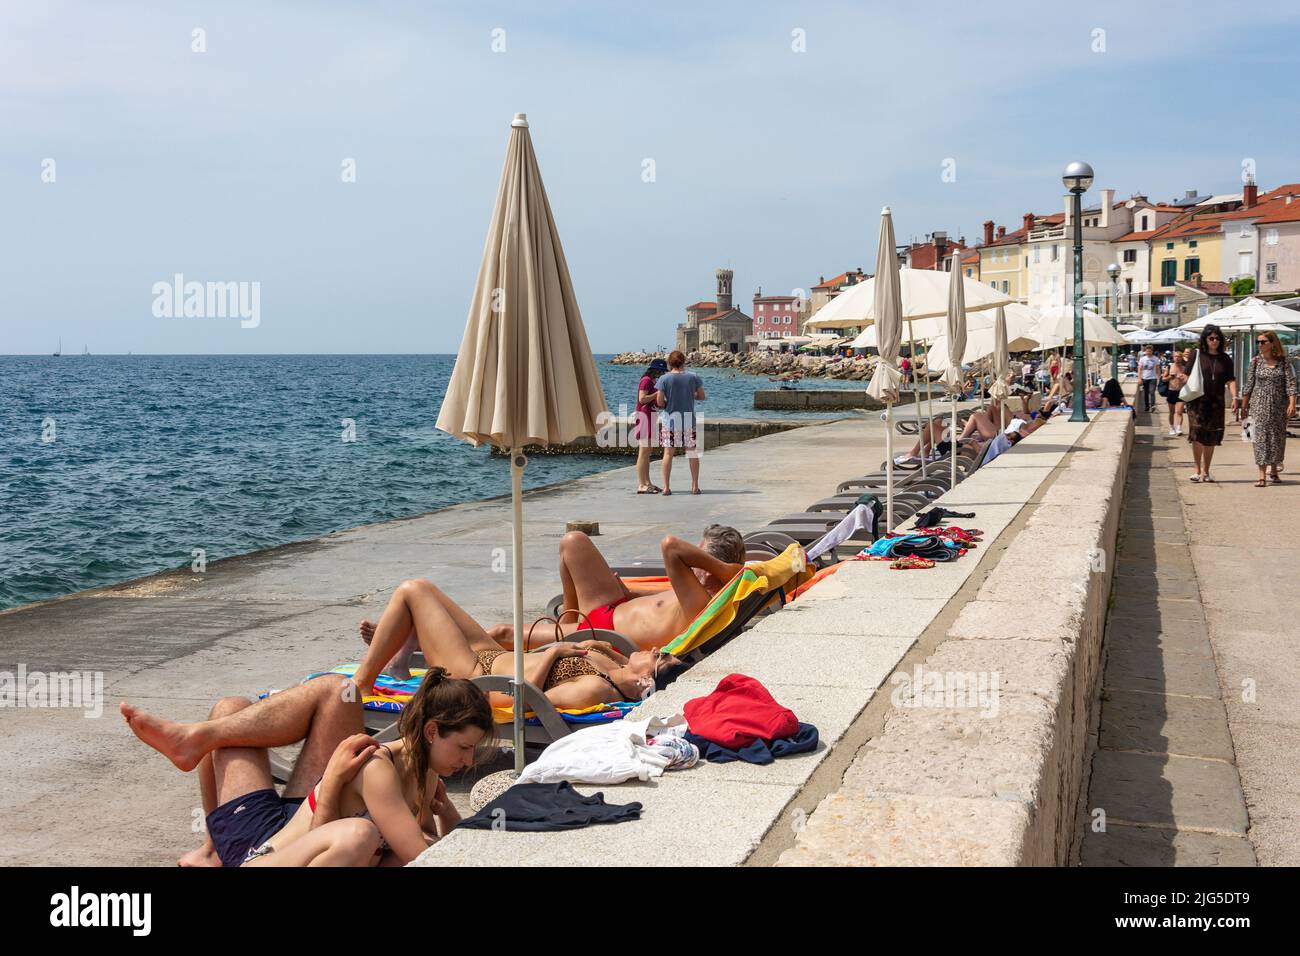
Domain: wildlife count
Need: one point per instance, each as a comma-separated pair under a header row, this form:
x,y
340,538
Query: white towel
x,y
860,518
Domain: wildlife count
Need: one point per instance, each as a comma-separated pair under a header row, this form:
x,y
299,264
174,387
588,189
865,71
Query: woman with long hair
x,y
1205,415
349,801
1269,397
1175,377
643,428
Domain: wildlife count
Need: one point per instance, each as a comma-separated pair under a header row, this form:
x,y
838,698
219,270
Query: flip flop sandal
x,y
1207,478
1195,478
1261,483
1276,479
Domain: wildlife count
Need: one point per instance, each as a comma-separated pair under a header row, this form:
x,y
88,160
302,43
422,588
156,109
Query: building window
x,y
1191,267
1202,310
969,272
1144,224
1006,286
1168,272
1169,245
1037,254
1270,237
1130,256
1191,243
1035,286
1245,231
1056,252
1270,272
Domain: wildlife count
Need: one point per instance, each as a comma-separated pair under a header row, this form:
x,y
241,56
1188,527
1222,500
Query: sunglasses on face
x,y
1263,342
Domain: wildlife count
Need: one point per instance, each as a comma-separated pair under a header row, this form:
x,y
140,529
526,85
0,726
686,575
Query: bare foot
x,y
205,855
367,630
174,741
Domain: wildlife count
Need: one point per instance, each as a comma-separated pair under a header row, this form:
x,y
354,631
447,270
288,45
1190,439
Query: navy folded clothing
x,y
548,806
760,751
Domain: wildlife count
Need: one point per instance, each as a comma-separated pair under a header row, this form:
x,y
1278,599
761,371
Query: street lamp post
x,y
1077,178
1113,271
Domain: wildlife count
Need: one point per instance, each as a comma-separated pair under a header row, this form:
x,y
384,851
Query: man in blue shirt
x,y
678,391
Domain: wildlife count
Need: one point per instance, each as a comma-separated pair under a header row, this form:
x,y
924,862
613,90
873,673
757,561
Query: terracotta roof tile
x,y
1208,286
703,305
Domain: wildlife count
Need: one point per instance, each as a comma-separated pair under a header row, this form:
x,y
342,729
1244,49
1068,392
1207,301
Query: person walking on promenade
x,y
1174,378
1149,373
677,394
643,426
1270,393
1205,414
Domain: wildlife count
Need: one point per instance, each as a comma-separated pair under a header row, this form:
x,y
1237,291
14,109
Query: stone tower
x,y
724,290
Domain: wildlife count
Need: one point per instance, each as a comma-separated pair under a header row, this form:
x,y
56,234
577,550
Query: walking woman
x,y
1175,377
1270,394
1205,414
643,427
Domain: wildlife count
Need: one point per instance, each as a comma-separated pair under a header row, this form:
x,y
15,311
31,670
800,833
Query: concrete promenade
x,y
85,791
826,657
1200,718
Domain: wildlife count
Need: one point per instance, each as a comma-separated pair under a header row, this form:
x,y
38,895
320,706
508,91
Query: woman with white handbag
x,y
1203,394
1269,395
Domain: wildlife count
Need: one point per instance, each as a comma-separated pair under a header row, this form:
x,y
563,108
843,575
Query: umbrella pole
x,y
517,465
916,398
953,443
889,465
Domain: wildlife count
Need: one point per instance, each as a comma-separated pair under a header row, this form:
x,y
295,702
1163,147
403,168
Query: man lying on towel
x,y
420,615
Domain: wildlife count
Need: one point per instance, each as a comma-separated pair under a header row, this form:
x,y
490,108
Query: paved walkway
x,y
1164,774
1200,716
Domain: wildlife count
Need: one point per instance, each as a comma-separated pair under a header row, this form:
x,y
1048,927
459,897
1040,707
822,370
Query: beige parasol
x,y
524,374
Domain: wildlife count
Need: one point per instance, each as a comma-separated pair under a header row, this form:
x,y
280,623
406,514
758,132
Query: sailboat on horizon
x,y
59,350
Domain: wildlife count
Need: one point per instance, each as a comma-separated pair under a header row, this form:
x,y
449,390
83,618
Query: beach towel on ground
x,y
739,711
548,806
391,696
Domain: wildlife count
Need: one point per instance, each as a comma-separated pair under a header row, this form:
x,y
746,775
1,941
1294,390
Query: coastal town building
x,y
776,316
725,328
827,289
1001,262
935,253
970,264
1197,298
1278,234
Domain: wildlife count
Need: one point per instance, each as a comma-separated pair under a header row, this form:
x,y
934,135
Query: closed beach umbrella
x,y
887,307
956,334
524,374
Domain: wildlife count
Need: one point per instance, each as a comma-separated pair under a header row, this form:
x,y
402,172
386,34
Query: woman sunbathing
x,y
570,674
366,804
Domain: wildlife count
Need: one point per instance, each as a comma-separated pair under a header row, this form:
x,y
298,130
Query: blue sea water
x,y
114,467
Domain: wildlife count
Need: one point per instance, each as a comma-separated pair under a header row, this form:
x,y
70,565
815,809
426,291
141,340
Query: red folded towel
x,y
739,711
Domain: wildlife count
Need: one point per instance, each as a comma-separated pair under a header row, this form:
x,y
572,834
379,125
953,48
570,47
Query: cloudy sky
x,y
776,131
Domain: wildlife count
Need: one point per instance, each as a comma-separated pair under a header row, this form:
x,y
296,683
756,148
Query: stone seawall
x,y
614,440
809,399
1001,785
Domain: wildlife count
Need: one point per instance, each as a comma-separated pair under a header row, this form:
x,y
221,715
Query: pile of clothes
x,y
739,720
926,545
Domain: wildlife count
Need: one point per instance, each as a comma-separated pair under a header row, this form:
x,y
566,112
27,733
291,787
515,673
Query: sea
x,y
114,467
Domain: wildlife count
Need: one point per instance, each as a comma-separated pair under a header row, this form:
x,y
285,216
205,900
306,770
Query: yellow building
x,y
1189,246
1002,260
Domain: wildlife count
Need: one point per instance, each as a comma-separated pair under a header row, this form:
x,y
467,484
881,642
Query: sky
x,y
775,133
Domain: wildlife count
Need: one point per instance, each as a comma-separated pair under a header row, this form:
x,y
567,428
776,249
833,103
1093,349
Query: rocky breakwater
x,y
772,364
